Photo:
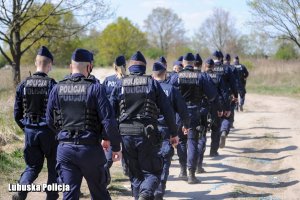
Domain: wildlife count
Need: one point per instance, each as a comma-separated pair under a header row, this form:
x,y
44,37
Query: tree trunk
x,y
16,72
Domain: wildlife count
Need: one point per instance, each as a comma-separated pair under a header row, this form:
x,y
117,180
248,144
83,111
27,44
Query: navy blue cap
x,y
216,54
209,61
120,60
162,60
158,66
177,63
138,59
236,57
92,56
137,63
81,55
198,58
227,57
44,51
189,57
180,58
221,54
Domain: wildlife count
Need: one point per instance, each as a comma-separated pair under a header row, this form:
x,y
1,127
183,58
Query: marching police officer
x,y
193,86
163,61
138,99
198,63
112,81
29,112
243,75
230,84
217,108
179,106
233,101
177,67
76,107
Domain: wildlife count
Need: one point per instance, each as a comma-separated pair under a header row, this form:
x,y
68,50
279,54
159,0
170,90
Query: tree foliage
x,y
120,37
217,32
286,51
279,19
164,29
23,23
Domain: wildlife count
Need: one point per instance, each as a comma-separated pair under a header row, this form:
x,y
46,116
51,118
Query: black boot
x,y
223,139
18,196
192,178
200,170
182,174
241,108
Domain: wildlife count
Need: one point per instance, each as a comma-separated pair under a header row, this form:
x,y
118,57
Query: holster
x,y
139,129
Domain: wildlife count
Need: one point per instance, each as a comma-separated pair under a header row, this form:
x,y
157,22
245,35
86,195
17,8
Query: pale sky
x,y
193,12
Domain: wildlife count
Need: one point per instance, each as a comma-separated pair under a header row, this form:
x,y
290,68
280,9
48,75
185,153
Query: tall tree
x,y
120,37
280,19
25,22
164,28
217,31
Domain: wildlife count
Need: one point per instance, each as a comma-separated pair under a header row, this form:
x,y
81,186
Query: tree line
x,y
67,24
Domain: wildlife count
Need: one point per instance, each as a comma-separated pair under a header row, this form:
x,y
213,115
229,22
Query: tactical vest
x,y
239,69
168,75
214,76
74,114
136,103
219,69
188,87
35,97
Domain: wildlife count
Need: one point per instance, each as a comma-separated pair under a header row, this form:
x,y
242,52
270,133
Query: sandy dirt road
x,y
261,159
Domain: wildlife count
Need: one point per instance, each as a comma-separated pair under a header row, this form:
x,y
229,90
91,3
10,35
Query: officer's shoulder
x,y
111,77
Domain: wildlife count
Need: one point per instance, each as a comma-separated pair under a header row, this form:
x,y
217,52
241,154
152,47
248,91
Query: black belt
x,y
79,142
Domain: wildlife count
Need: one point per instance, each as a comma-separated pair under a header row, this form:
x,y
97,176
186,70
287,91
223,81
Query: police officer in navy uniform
x,y
110,83
243,75
230,84
217,108
193,86
76,106
163,61
177,67
29,112
233,102
179,106
139,100
198,62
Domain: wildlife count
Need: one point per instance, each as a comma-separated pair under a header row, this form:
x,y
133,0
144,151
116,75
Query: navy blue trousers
x,y
77,161
182,145
215,132
145,165
193,138
39,143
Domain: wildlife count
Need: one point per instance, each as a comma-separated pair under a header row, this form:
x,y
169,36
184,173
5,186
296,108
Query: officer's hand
x,y
174,140
220,113
234,99
116,156
185,130
105,144
227,113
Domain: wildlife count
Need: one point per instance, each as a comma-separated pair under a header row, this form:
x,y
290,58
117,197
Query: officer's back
x,y
29,112
139,100
76,106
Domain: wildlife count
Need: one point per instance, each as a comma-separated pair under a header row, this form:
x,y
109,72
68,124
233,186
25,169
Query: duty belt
x,y
34,118
77,141
132,129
